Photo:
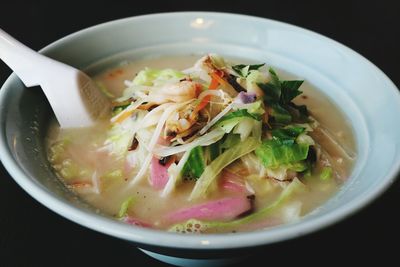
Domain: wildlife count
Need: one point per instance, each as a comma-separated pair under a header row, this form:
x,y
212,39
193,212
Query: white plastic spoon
x,y
72,94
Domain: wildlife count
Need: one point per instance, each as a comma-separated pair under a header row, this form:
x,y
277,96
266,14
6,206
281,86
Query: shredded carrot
x,y
147,106
171,159
80,184
115,73
217,75
215,82
198,88
202,104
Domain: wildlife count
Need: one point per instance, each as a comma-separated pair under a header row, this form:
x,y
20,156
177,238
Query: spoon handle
x,y
72,94
25,62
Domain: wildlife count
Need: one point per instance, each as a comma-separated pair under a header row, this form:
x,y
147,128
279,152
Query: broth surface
x,y
82,148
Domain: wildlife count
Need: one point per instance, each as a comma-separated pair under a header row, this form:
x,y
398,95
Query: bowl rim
x,y
173,240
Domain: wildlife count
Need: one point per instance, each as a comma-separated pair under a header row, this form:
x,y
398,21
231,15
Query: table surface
x,y
32,235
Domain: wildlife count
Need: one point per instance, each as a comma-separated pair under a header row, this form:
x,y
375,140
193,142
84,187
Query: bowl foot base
x,y
188,262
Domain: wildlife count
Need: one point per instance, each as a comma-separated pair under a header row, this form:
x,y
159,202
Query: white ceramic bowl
x,y
346,77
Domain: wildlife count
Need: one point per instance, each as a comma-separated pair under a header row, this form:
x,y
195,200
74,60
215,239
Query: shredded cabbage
x,y
230,141
256,130
96,183
256,107
57,149
305,139
216,166
294,187
143,170
253,164
70,169
229,121
326,173
205,140
253,78
218,61
125,206
244,128
155,77
288,145
120,136
274,153
216,119
291,212
175,174
112,175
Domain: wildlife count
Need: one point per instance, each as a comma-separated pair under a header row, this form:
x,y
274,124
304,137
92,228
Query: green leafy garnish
x,y
290,89
282,91
299,112
195,164
280,114
244,70
279,94
288,133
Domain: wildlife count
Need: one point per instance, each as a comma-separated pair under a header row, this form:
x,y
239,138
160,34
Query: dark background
x,y
32,235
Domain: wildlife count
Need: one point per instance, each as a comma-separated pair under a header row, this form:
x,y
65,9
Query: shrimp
x,y
177,92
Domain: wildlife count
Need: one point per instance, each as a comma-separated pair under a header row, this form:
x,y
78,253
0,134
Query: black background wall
x,y
32,235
